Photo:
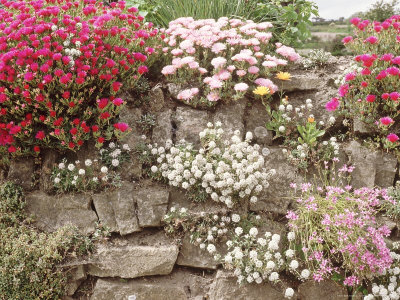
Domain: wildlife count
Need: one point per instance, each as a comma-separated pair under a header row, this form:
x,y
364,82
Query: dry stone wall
x,y
138,259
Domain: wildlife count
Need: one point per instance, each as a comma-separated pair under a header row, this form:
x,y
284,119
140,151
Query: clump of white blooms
x,y
225,171
92,174
115,155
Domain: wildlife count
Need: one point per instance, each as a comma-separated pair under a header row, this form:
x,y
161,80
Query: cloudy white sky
x,y
333,9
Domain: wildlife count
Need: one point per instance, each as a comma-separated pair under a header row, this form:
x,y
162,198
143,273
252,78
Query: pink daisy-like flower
x,y
168,70
392,138
253,70
386,121
218,62
218,48
213,97
241,73
241,87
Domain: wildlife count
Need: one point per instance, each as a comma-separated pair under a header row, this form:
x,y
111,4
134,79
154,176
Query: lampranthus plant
x,y
62,64
370,91
335,231
226,171
221,60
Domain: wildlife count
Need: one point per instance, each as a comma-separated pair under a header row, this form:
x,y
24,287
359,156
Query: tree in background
x,y
380,11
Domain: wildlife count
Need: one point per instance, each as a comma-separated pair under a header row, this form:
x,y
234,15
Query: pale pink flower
x,y
224,75
186,44
193,65
165,49
218,62
241,73
215,84
288,52
269,64
253,70
203,70
218,47
267,83
241,87
231,68
207,80
168,70
177,52
258,54
185,94
213,96
191,50
252,60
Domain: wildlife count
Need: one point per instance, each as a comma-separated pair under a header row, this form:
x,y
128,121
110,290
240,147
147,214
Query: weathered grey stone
x,y
190,122
162,131
130,116
386,167
231,116
152,203
174,89
53,212
49,159
360,127
133,167
156,102
76,276
191,255
178,199
131,261
21,171
300,82
88,151
225,287
106,289
262,136
255,116
276,198
364,161
372,168
327,290
116,209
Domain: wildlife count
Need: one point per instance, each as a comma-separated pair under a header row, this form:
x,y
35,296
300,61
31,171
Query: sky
x,y
334,9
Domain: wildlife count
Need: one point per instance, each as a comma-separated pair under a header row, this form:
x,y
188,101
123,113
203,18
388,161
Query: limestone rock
x,y
386,168
300,82
106,289
174,89
162,131
49,159
130,116
262,136
156,102
276,198
364,161
152,203
231,116
131,261
21,172
178,199
225,287
371,167
76,276
116,209
191,255
327,290
53,212
190,122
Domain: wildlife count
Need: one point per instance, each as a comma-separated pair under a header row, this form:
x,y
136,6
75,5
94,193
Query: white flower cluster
x,y
114,155
391,290
253,258
226,171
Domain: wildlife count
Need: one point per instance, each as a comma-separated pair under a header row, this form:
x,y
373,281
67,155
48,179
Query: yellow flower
x,y
283,76
311,120
261,90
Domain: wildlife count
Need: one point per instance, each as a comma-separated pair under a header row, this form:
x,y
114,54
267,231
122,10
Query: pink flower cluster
x,y
343,224
373,90
228,54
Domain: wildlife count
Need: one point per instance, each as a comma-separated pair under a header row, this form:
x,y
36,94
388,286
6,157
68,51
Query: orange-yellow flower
x,y
310,120
283,76
261,91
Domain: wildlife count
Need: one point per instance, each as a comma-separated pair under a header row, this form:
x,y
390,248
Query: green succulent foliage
x,y
309,133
